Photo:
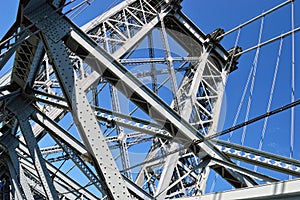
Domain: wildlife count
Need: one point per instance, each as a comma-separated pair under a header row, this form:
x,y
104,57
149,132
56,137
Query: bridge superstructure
x,y
113,110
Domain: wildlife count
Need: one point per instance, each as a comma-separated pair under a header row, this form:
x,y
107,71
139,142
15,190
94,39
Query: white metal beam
x,y
285,190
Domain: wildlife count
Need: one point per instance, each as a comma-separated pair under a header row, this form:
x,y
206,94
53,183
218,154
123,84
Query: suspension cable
x,y
269,41
241,103
78,9
267,114
270,100
242,99
257,17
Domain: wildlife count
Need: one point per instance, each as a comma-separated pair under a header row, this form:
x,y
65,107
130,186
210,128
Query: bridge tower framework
x,y
125,107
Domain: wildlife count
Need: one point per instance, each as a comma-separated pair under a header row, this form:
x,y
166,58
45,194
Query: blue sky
x,y
209,15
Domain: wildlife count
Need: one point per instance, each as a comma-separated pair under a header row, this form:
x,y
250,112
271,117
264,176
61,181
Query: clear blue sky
x,y
209,15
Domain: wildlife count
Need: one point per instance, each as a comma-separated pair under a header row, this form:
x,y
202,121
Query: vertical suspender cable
x,y
293,86
270,99
253,81
244,92
241,103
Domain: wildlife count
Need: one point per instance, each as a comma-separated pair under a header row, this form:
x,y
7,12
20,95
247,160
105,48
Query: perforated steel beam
x,y
260,158
82,113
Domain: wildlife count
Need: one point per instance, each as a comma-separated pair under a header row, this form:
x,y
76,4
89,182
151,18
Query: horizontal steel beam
x,y
245,171
260,158
285,190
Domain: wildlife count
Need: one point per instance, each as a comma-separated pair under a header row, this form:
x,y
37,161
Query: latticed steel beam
x,y
141,95
248,155
260,158
64,184
136,91
143,103
78,104
152,23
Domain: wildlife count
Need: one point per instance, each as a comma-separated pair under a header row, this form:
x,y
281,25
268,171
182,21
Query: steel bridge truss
x,y
96,96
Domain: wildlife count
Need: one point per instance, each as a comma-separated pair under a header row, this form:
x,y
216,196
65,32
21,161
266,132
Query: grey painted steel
x,y
77,147
18,193
260,158
58,132
92,137
186,94
11,144
170,163
65,185
146,99
18,107
5,56
244,171
59,36
63,178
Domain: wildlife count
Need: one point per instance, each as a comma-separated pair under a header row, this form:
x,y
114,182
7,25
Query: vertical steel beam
x,y
185,112
169,59
120,132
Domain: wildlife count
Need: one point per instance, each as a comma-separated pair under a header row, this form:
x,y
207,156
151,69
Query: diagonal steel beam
x,y
11,144
15,180
78,103
60,177
86,122
173,124
18,107
58,132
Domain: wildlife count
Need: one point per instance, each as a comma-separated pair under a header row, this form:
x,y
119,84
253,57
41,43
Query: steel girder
x,y
119,31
